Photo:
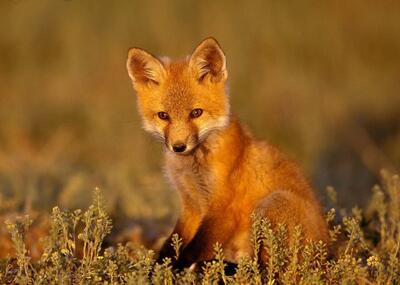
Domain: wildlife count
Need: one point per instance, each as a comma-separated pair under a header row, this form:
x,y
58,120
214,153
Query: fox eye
x,y
163,115
196,113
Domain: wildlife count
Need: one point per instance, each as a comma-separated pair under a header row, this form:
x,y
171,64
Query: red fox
x,y
222,173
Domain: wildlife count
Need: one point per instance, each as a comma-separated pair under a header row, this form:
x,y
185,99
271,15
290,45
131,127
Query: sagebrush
x,y
364,249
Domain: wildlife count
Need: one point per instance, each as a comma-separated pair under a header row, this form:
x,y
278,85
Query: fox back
x,y
222,173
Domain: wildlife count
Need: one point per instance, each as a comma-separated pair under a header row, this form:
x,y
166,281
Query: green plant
x,y
74,253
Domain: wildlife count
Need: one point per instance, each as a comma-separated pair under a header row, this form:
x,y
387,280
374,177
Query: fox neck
x,y
200,176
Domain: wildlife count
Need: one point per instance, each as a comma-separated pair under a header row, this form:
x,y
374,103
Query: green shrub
x,y
366,251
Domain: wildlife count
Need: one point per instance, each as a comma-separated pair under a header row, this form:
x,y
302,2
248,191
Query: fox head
x,y
181,102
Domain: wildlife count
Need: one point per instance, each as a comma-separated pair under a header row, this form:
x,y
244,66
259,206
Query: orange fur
x,y
224,174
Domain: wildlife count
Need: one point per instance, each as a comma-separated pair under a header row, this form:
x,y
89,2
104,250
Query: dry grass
x,y
318,79
366,251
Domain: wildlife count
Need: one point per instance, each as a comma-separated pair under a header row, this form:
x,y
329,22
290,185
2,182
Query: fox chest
x,y
193,179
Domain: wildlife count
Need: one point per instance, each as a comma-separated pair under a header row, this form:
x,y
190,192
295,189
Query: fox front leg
x,y
167,250
185,228
201,247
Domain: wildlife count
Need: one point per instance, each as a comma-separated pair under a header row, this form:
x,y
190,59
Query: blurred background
x,y
321,79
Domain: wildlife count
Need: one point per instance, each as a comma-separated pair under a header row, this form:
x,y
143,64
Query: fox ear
x,y
144,68
208,61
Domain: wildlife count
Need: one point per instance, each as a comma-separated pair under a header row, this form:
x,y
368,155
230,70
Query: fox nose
x,y
179,147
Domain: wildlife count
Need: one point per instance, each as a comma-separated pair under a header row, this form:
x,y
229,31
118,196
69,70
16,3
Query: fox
x,y
222,173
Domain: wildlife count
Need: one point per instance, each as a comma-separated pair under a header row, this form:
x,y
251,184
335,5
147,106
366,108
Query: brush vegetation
x,y
364,249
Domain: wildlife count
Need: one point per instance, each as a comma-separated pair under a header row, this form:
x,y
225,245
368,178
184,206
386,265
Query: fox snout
x,y
179,147
180,138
